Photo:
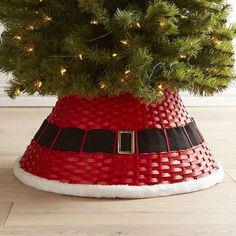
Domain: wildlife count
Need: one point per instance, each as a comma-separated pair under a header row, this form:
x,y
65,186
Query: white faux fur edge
x,y
117,191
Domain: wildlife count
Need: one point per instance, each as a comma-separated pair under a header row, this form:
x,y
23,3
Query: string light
x,y
185,14
17,37
124,79
30,49
114,55
47,18
31,27
63,71
160,92
125,42
137,24
182,56
81,57
162,24
94,22
38,84
17,92
102,85
184,17
213,69
127,72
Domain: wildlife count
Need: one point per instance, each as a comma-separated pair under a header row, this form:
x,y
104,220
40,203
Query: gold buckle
x,y
132,141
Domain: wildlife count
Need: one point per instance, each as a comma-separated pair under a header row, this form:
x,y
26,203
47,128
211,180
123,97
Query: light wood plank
x,y
7,161
13,190
121,212
125,230
6,176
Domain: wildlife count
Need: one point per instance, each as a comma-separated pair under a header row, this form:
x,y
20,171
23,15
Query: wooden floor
x,y
25,211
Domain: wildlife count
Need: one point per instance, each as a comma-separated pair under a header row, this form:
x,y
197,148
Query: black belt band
x,y
107,141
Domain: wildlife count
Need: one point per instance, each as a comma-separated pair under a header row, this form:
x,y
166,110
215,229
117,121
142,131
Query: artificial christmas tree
x,y
119,128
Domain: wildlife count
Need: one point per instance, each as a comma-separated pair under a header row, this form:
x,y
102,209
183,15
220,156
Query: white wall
x,y
227,98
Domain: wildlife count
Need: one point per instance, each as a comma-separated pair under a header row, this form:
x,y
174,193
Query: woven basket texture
x,y
123,112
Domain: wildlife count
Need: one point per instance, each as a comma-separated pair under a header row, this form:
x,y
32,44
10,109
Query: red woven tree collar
x,y
124,112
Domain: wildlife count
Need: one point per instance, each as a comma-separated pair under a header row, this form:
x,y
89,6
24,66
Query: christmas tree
x,y
94,47
119,127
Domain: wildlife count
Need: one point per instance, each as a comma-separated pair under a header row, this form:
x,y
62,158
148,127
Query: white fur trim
x,y
117,191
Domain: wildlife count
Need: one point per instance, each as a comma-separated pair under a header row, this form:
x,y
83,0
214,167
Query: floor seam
x,y
8,214
230,176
